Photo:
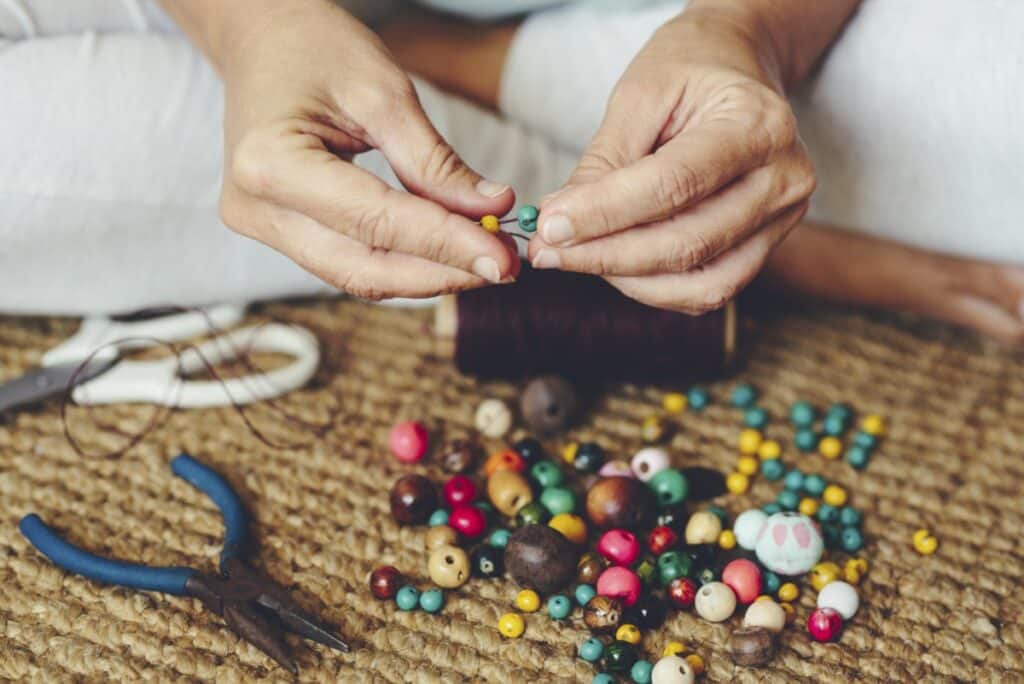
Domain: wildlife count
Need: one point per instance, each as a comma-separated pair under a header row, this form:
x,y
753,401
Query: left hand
x,y
696,173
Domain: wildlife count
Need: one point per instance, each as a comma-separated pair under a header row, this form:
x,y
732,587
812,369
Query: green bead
x,y
772,469
499,538
559,607
721,514
547,474
788,500
602,678
849,517
697,398
672,565
794,480
865,440
802,414
645,570
432,600
770,582
591,650
583,594
670,487
771,508
620,656
407,598
841,411
755,417
858,457
834,426
558,500
815,485
641,672
533,513
806,439
527,217
851,540
743,396
827,514
438,517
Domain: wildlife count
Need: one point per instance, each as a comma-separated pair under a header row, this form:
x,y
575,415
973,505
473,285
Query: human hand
x,y
307,88
695,174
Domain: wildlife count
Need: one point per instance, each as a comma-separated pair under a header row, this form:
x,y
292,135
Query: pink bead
x,y
615,469
621,583
619,546
469,521
824,624
744,578
459,491
408,441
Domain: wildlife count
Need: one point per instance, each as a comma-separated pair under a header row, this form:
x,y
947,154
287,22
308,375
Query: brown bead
x,y
752,646
622,502
459,455
385,582
508,491
413,499
590,567
441,535
548,404
448,566
602,614
540,558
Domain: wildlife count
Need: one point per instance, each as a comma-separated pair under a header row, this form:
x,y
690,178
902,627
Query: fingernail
x,y
487,268
1020,309
490,188
547,258
557,230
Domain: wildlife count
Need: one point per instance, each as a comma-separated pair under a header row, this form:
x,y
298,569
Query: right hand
x,y
307,87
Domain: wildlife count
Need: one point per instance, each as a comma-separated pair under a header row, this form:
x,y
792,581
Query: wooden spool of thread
x,y
580,327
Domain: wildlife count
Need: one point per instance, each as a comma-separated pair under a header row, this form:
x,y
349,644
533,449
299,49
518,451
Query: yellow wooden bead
x,y
769,449
696,664
628,633
674,402
490,223
652,429
737,483
790,611
834,495
747,465
569,452
788,592
527,601
830,447
511,625
808,506
925,543
823,574
727,539
673,648
750,441
873,424
763,597
571,526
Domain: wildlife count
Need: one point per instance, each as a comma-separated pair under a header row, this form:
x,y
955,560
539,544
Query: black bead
x,y
488,561
589,458
705,483
674,517
530,449
619,656
702,554
647,613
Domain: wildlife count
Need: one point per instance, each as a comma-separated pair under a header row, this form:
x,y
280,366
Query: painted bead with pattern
x,y
602,614
789,544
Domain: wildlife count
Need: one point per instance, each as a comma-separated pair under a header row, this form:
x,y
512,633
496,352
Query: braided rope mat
x,y
952,461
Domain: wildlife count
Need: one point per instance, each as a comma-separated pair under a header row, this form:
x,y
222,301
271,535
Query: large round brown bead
x,y
752,646
459,455
590,567
508,491
413,499
622,502
602,614
540,558
385,582
548,404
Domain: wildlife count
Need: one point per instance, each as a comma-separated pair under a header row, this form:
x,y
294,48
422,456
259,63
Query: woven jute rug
x,y
953,460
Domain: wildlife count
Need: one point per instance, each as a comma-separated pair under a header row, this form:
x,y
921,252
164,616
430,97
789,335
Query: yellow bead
x,y
834,495
769,450
673,648
747,465
808,506
763,597
790,611
830,447
788,592
696,664
569,452
925,543
873,424
727,539
490,223
823,574
652,429
527,601
628,633
511,625
750,441
571,526
737,483
673,403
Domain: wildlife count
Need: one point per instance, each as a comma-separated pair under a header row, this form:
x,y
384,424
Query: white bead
x,y
767,614
672,670
493,418
747,526
649,461
715,602
703,527
790,544
841,597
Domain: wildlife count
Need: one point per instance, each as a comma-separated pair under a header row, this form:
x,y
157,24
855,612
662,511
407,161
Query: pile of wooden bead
x,y
386,582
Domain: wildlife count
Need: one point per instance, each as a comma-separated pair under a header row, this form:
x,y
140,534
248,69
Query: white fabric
x,y
110,152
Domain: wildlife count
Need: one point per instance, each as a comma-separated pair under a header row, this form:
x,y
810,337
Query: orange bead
x,y
504,460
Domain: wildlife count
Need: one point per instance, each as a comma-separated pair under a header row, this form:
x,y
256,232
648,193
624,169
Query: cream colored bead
x,y
766,614
493,418
449,567
703,527
672,670
441,535
715,602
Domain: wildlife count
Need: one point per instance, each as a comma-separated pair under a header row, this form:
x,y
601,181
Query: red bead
x,y
620,583
661,539
459,491
385,582
469,521
682,592
744,578
619,546
824,624
408,441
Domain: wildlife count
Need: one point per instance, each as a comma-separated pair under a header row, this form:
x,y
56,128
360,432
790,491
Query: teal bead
x,y
558,500
788,500
547,474
559,607
858,457
851,540
849,517
602,678
771,508
721,514
697,398
806,439
641,672
827,514
794,480
841,411
407,598
670,487
831,534
770,582
865,440
834,426
591,650
499,538
432,600
743,396
802,414
583,593
485,508
755,417
438,517
815,485
533,513
672,565
527,217
772,469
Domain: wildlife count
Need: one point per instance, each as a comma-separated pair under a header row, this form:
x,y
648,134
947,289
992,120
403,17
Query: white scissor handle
x,y
156,382
95,333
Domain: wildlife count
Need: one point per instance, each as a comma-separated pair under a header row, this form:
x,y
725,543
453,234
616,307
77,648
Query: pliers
x,y
248,601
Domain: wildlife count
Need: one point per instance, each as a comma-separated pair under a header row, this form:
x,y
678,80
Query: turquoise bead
x,y
527,217
806,439
772,469
755,417
602,678
641,672
585,592
499,538
770,582
849,517
670,487
438,517
432,600
771,508
721,514
547,474
559,607
697,398
858,457
743,396
558,500
591,650
794,480
831,534
802,414
851,540
788,500
834,426
815,485
407,598
865,440
841,411
827,514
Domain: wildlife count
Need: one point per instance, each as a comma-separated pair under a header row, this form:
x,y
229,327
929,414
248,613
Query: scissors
x,y
91,358
254,607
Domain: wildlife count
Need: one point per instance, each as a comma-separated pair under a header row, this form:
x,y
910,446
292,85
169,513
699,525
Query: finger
x,y
710,287
987,317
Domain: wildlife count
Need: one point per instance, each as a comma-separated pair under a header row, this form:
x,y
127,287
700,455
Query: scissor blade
x,y
47,382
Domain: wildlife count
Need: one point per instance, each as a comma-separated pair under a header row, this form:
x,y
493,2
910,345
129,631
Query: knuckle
x,y
358,285
440,163
252,168
371,225
688,253
677,185
391,94
778,122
